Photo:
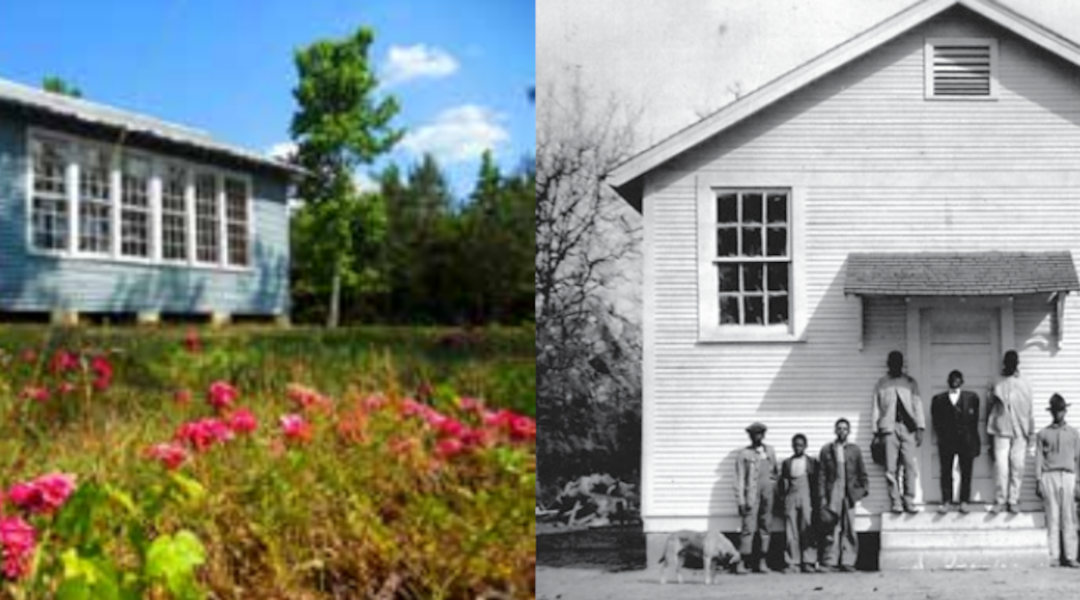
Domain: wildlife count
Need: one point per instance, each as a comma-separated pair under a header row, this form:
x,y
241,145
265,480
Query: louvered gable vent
x,y
961,68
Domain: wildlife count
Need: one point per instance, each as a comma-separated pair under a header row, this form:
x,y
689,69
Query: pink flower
x,y
451,427
182,396
221,395
202,434
66,388
374,403
17,541
170,454
44,495
449,447
192,342
471,404
29,355
295,428
64,361
38,393
103,373
242,421
307,399
522,428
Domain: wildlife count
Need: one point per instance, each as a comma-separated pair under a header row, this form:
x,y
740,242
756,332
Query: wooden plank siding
x,y
33,282
881,169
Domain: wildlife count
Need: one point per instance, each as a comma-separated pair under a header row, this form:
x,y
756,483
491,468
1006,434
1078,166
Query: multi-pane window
x,y
95,202
135,207
753,257
206,218
174,214
50,204
236,221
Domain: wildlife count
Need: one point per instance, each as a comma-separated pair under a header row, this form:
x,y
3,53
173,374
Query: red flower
x,y
44,495
103,373
17,540
307,399
170,454
182,396
451,427
192,342
202,434
38,393
64,361
449,447
242,421
221,396
66,388
295,428
471,404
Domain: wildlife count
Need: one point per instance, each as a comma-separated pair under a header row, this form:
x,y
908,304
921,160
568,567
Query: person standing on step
x,y
1011,425
897,414
798,488
955,414
1057,461
841,482
756,471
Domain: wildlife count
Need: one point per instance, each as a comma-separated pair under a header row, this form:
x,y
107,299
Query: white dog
x,y
709,546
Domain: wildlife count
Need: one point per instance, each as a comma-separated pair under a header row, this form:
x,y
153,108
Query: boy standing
x,y
955,414
798,477
841,482
755,485
1057,459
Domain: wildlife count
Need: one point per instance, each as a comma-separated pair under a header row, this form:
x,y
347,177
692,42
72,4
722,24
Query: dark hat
x,y
1057,403
756,426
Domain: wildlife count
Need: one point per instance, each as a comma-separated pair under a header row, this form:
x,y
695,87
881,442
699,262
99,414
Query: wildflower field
x,y
266,463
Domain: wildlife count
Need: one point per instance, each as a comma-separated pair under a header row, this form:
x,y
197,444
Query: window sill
x,y
139,262
962,98
725,335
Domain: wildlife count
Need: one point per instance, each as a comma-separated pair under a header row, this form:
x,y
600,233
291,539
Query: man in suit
x,y
897,414
798,489
756,471
955,414
841,482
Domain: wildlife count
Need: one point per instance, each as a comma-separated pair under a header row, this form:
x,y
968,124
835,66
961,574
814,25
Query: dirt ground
x,y
610,564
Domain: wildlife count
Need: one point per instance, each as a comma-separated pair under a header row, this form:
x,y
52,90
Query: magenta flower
x,y
37,393
64,361
221,395
295,428
202,434
169,454
449,447
242,421
17,541
44,495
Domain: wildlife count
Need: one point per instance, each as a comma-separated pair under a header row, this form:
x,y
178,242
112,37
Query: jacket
x,y
857,483
1011,394
886,393
786,480
957,427
747,465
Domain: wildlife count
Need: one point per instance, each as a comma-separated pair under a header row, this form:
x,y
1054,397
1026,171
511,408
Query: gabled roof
x,y
626,177
94,114
959,273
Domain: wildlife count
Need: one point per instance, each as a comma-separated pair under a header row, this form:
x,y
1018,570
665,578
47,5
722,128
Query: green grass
x,y
366,506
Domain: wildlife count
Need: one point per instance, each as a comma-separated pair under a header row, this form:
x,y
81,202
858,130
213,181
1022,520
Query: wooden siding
x,y
30,282
883,169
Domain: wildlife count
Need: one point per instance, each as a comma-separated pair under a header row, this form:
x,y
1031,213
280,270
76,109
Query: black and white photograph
x,y
806,288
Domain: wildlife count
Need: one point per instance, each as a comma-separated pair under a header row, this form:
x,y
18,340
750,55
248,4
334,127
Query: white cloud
x,y
281,150
413,62
458,134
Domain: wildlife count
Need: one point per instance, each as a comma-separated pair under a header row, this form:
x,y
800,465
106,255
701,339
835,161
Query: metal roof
x,y
92,113
960,273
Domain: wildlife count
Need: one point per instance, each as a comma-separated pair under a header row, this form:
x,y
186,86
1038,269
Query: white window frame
x,y
248,221
163,172
709,328
74,144
151,215
928,67
110,157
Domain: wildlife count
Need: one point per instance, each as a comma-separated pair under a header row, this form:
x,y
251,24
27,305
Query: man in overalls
x,y
756,471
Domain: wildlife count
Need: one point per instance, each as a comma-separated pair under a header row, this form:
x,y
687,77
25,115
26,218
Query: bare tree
x,y
587,356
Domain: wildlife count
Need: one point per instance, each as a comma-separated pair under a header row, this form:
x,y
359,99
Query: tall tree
x,y
59,85
339,126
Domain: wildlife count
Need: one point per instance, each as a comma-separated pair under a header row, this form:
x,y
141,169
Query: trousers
x,y
1059,489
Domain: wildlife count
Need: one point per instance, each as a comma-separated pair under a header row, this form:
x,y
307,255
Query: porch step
x,y
977,540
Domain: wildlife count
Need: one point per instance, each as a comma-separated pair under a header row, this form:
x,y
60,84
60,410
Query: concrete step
x,y
964,539
930,520
968,558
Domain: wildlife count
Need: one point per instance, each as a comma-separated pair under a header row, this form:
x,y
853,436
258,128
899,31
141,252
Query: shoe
x,y
995,509
1012,508
911,509
740,569
1072,564
845,569
964,508
943,508
808,569
763,569
897,509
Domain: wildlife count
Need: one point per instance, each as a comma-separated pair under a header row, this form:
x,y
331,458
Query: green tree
x,y
340,126
59,85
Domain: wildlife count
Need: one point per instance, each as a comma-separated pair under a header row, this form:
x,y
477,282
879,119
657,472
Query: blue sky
x,y
459,69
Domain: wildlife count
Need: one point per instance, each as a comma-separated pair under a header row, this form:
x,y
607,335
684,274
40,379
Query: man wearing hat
x,y
1057,460
756,473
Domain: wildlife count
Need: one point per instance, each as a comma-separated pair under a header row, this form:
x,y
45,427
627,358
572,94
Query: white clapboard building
x,y
916,188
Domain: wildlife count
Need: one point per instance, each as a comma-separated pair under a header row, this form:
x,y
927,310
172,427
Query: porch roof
x,y
959,273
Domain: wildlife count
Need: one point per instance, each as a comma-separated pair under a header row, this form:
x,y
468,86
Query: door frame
x,y
916,306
